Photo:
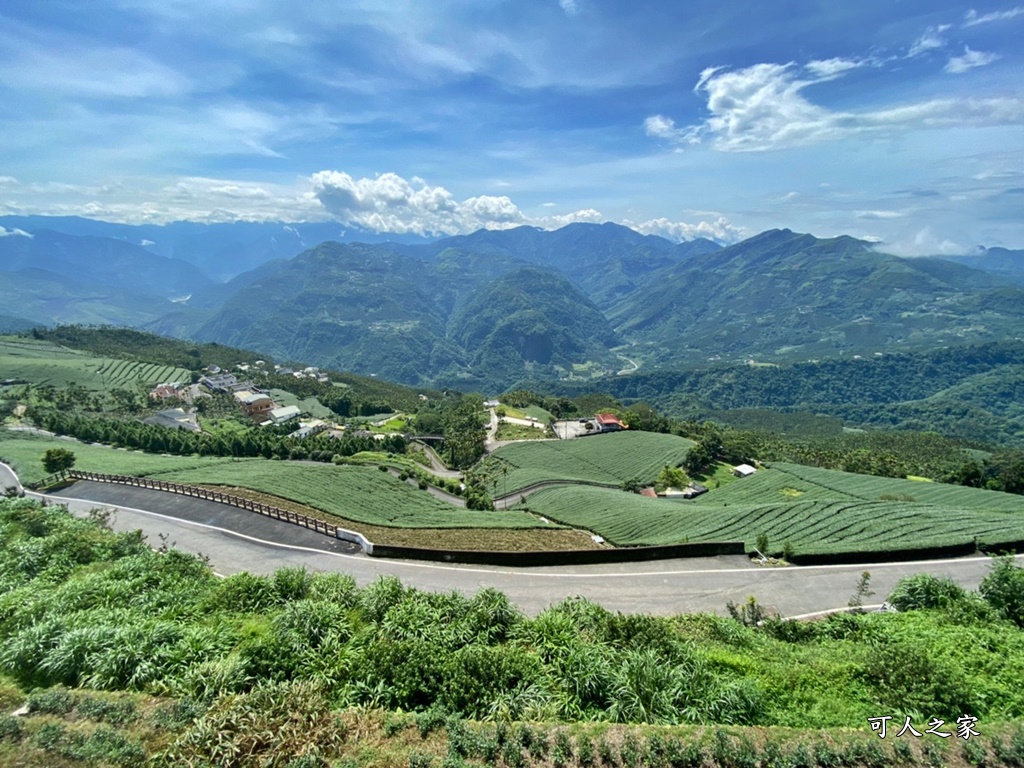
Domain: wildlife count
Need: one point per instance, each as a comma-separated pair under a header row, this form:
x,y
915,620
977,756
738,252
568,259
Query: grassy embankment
x,y
127,655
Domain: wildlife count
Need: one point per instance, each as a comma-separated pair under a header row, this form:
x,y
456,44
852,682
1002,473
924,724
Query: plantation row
x,y
606,459
866,487
362,494
814,526
43,363
127,372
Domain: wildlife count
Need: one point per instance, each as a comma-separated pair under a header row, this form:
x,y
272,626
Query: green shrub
x,y
923,590
292,583
113,711
420,760
561,752
10,728
49,737
584,751
1003,589
51,701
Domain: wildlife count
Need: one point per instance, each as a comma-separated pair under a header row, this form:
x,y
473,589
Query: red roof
x,y
609,418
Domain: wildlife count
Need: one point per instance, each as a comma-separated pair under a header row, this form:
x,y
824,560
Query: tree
x,y
58,460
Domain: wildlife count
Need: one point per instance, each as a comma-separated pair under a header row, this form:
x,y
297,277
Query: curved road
x,y
235,540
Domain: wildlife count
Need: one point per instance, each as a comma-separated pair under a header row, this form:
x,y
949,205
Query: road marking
x,y
532,574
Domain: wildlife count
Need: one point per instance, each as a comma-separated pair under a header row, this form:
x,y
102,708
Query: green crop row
x,y
604,459
807,526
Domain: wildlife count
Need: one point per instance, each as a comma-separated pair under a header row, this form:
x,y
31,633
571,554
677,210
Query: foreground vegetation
x,y
249,668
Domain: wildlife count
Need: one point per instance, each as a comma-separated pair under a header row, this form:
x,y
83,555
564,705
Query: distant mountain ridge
x,y
487,309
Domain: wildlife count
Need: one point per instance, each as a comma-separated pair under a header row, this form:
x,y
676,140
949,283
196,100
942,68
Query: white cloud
x,y
584,216
971,59
828,69
764,107
571,7
924,242
8,181
390,203
661,127
720,230
973,18
4,232
931,40
875,215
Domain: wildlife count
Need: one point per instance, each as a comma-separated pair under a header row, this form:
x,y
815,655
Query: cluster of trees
x,y
970,391
252,443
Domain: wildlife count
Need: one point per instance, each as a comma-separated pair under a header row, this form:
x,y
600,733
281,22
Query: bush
x,y
925,591
1003,589
113,711
10,728
51,701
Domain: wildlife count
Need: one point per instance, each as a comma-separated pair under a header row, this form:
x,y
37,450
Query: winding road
x,y
235,540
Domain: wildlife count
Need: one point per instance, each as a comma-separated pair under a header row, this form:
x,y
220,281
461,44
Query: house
x,y
311,428
287,413
608,422
649,492
694,490
255,403
743,470
224,382
490,403
165,391
175,418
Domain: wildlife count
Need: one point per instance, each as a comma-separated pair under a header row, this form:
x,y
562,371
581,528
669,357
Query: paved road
x,y
236,540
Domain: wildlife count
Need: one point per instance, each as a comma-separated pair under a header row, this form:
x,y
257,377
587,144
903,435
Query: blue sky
x,y
901,121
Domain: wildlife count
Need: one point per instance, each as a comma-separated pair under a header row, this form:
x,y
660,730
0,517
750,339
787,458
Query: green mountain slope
x,y
531,319
789,295
354,307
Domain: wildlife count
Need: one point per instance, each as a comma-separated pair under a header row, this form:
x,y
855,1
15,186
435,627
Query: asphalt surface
x,y
236,540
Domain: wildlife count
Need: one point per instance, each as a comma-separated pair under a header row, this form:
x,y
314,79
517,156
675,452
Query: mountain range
x,y
485,310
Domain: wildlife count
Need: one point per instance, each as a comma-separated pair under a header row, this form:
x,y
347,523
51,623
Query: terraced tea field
x,y
24,453
362,494
600,459
40,362
810,526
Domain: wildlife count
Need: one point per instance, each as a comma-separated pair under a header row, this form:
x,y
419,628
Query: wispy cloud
x,y
764,107
571,7
930,40
972,18
959,64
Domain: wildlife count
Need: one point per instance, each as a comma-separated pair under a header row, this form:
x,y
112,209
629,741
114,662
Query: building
x,y
608,422
255,403
222,382
175,418
307,430
743,470
165,391
287,413
487,403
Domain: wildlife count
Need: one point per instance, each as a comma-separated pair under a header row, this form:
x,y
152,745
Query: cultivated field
x,y
362,494
24,452
837,512
600,459
41,362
